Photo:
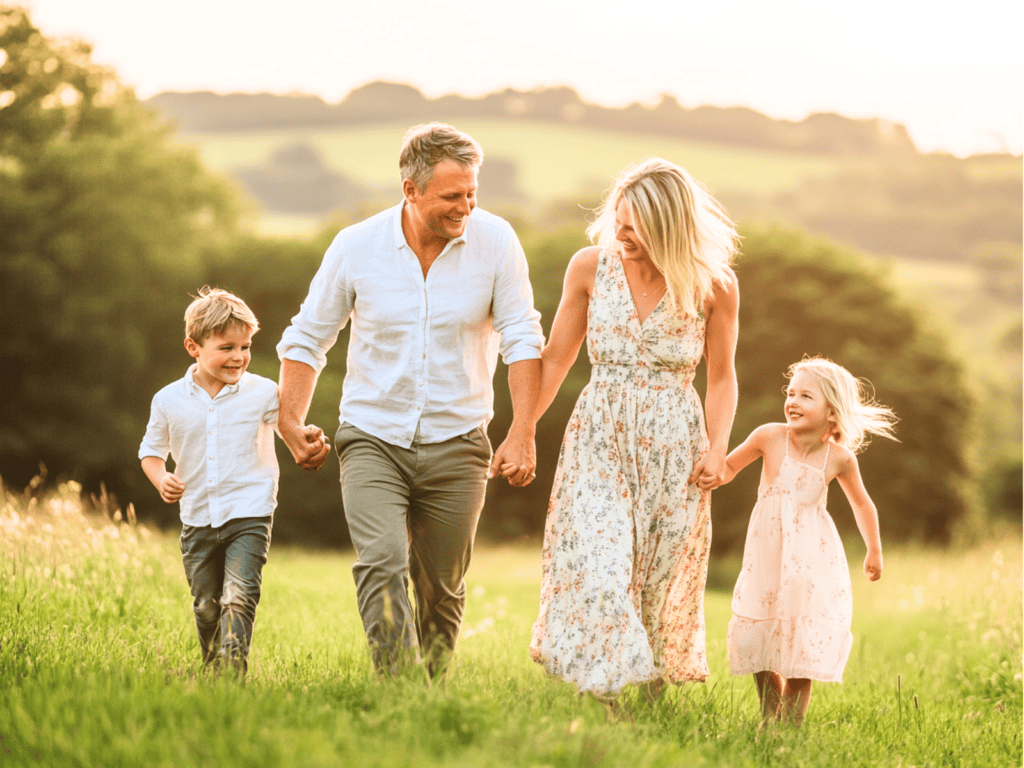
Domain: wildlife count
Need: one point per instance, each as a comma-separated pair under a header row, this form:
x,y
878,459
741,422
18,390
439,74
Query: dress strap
x,y
787,442
828,446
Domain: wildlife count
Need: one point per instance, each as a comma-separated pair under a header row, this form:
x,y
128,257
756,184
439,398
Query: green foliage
x,y
800,297
99,665
104,227
1003,485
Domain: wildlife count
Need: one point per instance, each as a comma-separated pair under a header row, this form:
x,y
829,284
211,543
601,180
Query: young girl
x,y
792,603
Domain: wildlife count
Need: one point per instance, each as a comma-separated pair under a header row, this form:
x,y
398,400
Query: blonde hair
x,y
687,233
424,146
214,311
856,412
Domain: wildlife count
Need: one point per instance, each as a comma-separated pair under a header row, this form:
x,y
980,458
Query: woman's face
x,y
626,234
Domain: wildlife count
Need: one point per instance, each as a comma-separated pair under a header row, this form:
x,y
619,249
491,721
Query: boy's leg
x,y
203,558
375,494
770,687
247,542
796,697
448,496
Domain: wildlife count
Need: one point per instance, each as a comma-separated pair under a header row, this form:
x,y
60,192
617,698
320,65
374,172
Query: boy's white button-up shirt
x,y
223,447
421,352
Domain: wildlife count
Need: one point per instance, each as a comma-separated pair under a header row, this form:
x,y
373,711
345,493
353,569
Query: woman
x,y
629,526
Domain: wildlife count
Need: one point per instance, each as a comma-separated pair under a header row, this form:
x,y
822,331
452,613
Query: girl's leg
x,y
796,696
769,693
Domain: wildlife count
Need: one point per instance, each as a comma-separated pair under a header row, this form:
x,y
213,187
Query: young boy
x,y
217,424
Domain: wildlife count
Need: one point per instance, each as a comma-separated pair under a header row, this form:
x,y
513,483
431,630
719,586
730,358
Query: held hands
x,y
873,565
307,443
171,488
710,470
515,460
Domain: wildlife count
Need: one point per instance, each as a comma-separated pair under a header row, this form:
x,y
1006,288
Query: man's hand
x,y
171,488
515,460
307,443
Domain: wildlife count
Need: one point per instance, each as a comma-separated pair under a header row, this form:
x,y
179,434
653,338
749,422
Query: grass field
x,y
99,667
554,161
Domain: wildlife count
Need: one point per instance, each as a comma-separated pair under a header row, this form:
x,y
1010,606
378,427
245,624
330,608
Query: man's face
x,y
443,208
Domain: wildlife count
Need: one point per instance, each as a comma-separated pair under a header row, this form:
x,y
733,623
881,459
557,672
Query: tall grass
x,y
99,666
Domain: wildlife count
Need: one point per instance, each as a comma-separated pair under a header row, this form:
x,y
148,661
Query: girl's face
x,y
806,407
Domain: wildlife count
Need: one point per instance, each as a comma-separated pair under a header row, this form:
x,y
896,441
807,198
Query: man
x,y
429,286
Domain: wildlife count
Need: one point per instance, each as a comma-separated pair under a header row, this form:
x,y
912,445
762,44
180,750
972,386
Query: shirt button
x,y
211,409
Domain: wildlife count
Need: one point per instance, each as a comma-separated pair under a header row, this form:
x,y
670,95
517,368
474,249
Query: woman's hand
x,y
709,471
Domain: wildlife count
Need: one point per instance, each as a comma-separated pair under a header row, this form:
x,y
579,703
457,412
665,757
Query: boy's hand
x,y
873,565
171,488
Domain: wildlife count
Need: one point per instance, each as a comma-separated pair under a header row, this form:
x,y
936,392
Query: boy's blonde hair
x,y
856,412
214,311
688,235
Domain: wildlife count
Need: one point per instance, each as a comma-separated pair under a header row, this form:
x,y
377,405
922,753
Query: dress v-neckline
x,y
636,312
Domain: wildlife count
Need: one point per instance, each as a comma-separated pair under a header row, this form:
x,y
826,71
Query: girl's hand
x,y
709,471
171,488
873,565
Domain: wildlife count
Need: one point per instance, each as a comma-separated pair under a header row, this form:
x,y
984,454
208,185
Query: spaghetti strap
x,y
828,447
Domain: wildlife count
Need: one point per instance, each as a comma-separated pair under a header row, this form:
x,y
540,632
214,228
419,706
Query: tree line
x,y
379,102
107,226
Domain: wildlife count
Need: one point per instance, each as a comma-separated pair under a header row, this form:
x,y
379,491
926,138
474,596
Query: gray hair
x,y
424,146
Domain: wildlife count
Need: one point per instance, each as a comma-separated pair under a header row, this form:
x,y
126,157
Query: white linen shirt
x,y
223,447
421,352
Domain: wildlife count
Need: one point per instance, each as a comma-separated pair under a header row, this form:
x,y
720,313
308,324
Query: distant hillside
x,y
823,133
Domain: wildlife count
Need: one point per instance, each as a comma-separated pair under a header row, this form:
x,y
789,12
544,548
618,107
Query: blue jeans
x,y
224,568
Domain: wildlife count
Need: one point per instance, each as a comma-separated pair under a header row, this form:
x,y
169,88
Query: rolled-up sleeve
x,y
515,317
156,441
323,314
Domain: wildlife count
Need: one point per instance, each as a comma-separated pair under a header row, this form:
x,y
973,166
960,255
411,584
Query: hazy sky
x,y
952,73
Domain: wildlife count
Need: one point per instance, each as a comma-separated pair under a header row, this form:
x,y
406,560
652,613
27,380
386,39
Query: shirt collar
x,y
191,387
400,241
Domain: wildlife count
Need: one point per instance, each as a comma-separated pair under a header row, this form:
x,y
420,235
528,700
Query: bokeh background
x,y
871,155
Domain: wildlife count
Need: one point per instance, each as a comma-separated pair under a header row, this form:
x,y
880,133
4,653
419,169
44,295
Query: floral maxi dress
x,y
792,605
626,540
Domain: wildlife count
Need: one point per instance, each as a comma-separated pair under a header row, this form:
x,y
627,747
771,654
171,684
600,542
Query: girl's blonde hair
x,y
687,233
856,412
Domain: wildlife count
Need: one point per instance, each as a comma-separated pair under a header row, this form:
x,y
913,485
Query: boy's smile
x,y
222,358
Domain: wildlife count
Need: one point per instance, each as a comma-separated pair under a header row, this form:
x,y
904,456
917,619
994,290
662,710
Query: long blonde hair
x,y
687,233
857,414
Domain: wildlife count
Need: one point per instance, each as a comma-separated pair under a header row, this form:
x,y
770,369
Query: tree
x,y
801,296
105,227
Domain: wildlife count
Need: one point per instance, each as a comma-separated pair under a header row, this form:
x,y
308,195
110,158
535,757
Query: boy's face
x,y
222,358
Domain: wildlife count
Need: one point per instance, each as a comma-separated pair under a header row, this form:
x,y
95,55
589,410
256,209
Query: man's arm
x,y
519,450
295,387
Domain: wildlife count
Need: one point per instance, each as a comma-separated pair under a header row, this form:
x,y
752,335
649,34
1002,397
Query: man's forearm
x,y
295,387
524,388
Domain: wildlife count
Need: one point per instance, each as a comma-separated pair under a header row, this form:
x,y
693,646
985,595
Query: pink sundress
x,y
792,605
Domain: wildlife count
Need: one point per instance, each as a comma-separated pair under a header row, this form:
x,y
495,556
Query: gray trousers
x,y
412,514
